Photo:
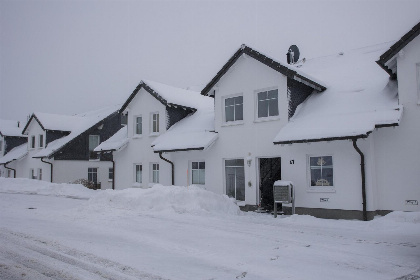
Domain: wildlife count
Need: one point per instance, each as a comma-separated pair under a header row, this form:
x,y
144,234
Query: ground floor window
x,y
32,173
235,178
93,175
155,173
39,173
198,169
9,174
321,169
111,174
138,173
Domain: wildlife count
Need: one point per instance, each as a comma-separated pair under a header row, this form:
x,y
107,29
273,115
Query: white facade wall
x,y
254,140
139,150
398,149
66,171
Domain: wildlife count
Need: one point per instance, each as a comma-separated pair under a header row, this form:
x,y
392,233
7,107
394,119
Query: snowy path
x,y
50,237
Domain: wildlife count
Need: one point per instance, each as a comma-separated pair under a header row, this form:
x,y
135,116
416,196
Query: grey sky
x,y
74,56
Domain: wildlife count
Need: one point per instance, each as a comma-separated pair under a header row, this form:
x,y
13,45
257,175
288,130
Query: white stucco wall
x,y
397,149
138,150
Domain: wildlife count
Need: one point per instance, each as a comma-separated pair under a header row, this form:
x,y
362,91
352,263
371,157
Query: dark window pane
x,y
262,109
262,95
229,102
202,165
273,107
195,165
229,112
239,115
240,183
273,94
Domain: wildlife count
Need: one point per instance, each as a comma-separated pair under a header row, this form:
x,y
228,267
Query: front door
x,y
270,171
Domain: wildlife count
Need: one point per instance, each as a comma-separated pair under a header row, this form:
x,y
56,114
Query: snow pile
x,y
165,199
28,186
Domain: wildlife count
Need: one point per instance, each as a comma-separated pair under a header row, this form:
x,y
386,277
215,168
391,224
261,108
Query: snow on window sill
x,y
267,119
321,190
233,123
154,134
240,203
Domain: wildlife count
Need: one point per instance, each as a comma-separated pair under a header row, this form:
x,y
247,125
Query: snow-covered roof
x,y
81,123
58,122
115,142
285,69
10,128
359,97
168,95
195,132
15,154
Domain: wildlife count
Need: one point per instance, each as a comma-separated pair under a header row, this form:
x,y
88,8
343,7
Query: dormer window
x,y
234,109
268,103
93,143
1,145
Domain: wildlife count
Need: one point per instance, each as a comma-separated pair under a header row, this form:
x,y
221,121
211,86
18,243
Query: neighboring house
x,y
11,138
60,147
151,110
334,126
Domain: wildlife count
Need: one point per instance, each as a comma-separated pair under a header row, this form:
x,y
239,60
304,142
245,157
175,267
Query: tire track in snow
x,y
22,255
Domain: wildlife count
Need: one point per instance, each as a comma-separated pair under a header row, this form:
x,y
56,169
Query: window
x,y
139,174
155,173
33,142
321,169
1,145
93,143
111,174
234,109
155,123
41,141
268,103
198,172
39,173
138,128
32,174
9,173
235,178
93,175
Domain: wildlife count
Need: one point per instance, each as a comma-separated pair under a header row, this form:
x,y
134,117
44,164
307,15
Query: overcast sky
x,y
68,57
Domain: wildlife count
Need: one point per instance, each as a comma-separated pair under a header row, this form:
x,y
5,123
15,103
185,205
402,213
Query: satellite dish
x,y
293,54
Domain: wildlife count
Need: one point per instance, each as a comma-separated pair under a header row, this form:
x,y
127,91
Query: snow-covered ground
x,y
60,231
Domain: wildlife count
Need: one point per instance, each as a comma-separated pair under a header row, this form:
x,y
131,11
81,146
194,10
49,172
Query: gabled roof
x,y
10,128
54,122
15,154
168,95
360,97
287,70
386,57
82,123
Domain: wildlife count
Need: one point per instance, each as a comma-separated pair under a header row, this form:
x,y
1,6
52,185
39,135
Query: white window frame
x,y
135,174
97,174
135,134
91,151
41,141
154,173
319,188
192,172
32,142
235,122
152,122
239,202
268,118
32,174
110,171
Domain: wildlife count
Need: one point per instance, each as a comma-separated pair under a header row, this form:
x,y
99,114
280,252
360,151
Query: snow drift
x,y
165,199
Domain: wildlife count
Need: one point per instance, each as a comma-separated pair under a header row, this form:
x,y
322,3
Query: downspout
x,y
14,170
362,168
50,163
113,169
173,167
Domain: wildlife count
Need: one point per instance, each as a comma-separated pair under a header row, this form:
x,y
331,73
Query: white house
x,y
11,138
338,127
60,147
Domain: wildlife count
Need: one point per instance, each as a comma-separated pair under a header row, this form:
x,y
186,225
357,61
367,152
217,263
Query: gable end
x,y
296,93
